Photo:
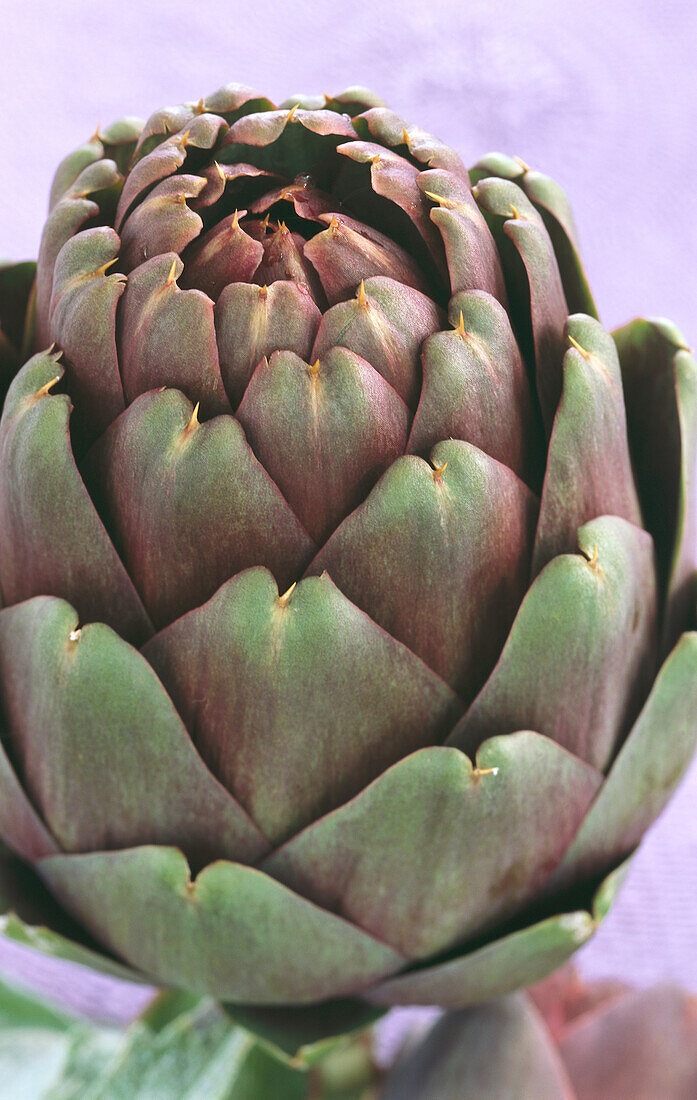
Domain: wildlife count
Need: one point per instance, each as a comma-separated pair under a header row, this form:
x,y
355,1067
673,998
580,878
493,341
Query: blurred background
x,y
600,96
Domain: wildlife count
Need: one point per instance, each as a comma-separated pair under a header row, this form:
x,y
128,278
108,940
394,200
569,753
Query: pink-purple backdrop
x,y
600,96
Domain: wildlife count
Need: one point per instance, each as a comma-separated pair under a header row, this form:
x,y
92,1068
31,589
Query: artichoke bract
x,y
347,566
566,1040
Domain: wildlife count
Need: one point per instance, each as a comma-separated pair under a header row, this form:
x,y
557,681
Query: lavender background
x,y
601,96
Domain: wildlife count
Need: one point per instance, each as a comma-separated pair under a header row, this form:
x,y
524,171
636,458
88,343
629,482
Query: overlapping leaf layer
x,y
346,559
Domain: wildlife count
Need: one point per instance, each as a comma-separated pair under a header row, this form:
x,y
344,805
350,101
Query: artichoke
x,y
346,567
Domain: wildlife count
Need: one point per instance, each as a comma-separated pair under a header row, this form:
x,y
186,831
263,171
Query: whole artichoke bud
x,y
345,561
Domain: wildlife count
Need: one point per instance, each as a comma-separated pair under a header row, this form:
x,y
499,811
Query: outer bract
x,y
564,1041
346,564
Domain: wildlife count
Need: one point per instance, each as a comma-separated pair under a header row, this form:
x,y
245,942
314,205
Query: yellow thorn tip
x,y
438,471
283,600
581,350
105,267
46,388
447,204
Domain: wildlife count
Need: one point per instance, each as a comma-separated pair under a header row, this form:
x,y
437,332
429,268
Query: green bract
x,y
345,566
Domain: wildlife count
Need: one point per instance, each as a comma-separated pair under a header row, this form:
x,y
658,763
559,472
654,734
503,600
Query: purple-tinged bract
x,y
565,1040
